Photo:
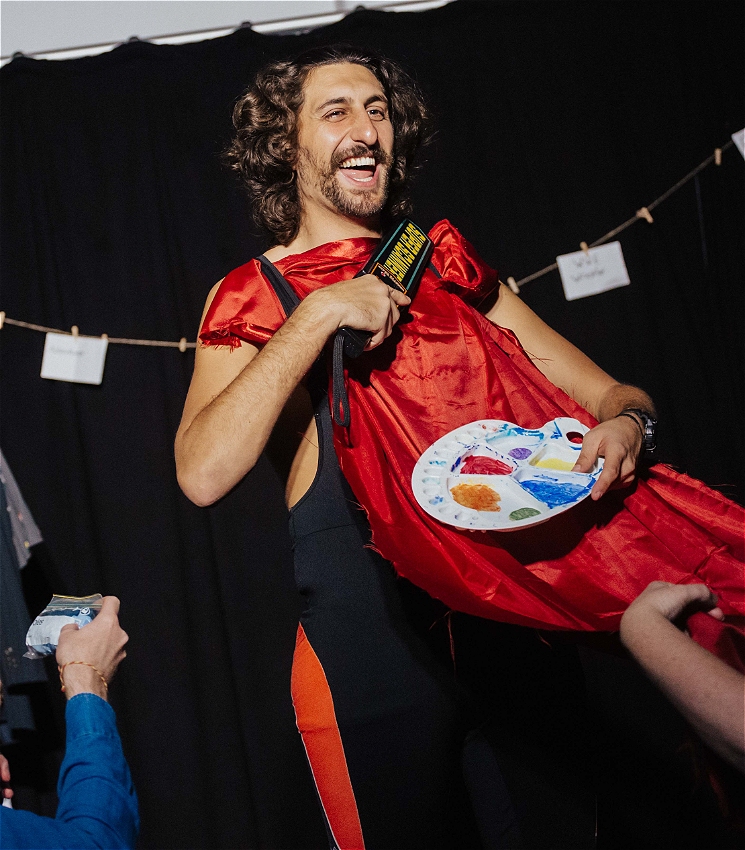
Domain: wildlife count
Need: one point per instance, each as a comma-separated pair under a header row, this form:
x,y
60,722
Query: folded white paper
x,y
598,270
78,359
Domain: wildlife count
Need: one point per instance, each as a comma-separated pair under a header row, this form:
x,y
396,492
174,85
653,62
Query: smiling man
x,y
325,146
315,145
334,175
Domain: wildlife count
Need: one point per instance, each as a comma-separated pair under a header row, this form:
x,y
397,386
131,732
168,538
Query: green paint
x,y
523,513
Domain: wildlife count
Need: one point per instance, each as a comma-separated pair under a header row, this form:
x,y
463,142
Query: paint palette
x,y
494,475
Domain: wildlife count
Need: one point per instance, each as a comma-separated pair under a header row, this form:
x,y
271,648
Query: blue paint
x,y
514,432
438,463
523,432
554,493
438,500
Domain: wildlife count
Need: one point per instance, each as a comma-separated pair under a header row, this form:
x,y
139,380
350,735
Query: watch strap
x,y
647,425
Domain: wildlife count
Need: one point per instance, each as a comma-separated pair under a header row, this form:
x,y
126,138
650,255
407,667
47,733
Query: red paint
x,y
574,437
476,465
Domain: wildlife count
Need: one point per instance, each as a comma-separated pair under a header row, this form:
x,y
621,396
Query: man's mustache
x,y
380,156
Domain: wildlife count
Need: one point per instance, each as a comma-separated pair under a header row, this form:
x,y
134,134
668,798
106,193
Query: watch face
x,y
650,425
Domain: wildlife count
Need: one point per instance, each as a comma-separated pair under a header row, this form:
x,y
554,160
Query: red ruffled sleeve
x,y
460,266
244,308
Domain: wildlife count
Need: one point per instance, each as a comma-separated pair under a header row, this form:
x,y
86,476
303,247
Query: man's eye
x,y
334,115
377,114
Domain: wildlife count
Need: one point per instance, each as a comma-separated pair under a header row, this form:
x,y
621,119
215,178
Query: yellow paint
x,y
555,463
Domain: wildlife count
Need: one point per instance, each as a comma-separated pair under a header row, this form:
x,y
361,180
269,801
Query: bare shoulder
x,y
215,368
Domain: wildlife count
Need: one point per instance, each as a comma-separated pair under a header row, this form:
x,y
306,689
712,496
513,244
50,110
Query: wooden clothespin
x,y
512,283
2,319
182,344
717,156
583,246
74,330
104,336
645,214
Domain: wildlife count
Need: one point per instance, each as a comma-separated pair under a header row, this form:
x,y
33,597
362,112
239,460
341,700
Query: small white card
x,y
598,270
739,139
78,359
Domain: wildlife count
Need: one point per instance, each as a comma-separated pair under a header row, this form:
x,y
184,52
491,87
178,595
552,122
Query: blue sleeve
x,y
97,800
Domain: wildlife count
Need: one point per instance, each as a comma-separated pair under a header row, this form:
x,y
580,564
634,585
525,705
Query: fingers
x,y
7,793
585,461
389,317
697,593
616,446
400,298
671,600
110,604
367,304
100,643
609,475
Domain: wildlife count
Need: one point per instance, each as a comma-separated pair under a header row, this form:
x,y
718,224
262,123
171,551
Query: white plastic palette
x,y
527,473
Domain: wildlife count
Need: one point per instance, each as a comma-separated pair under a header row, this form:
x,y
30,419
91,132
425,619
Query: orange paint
x,y
478,497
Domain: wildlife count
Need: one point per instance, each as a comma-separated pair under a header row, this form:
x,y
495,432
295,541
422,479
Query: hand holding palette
x,y
494,475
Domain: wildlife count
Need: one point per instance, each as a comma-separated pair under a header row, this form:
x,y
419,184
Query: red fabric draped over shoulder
x,y
245,307
446,365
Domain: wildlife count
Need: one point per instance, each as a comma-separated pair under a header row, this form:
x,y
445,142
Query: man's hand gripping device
x,y
399,261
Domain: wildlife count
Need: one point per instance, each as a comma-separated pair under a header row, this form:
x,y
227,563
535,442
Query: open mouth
x,y
359,169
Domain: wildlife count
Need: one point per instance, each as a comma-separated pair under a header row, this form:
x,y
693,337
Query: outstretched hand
x,y
619,442
99,646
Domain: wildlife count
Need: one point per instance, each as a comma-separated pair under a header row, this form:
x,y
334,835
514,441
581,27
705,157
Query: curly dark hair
x,y
264,149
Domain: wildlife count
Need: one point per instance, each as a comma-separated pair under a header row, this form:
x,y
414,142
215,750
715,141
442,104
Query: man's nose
x,y
364,129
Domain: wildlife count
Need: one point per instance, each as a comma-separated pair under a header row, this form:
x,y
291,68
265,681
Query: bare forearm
x,y
564,364
621,397
708,692
224,440
233,405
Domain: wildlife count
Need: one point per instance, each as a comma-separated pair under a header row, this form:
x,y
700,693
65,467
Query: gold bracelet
x,y
86,664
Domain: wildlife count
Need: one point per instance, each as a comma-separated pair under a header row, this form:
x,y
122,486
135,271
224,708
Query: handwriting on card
x,y
593,271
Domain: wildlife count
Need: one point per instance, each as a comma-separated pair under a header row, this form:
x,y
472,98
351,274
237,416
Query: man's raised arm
x,y
618,439
236,396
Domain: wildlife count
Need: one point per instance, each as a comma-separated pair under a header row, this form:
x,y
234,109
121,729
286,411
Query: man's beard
x,y
357,203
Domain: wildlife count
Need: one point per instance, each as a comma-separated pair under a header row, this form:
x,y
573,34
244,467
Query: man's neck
x,y
321,228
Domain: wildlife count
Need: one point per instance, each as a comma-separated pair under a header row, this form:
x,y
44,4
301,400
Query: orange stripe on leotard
x,y
316,720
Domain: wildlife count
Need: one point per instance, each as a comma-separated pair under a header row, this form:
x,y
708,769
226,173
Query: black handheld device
x,y
399,261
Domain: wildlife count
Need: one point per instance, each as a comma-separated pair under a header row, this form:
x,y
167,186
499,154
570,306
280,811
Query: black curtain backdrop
x,y
556,122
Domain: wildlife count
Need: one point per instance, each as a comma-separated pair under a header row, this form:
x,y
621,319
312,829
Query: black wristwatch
x,y
649,423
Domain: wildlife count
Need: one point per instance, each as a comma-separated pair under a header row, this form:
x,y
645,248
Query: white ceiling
x,y
47,26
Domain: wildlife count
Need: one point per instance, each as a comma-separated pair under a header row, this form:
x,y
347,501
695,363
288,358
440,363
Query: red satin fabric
x,y
446,365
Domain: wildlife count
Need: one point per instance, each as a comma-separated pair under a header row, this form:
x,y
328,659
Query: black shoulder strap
x,y
288,298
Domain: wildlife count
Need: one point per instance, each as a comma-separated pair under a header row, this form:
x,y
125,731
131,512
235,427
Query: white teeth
x,y
358,161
